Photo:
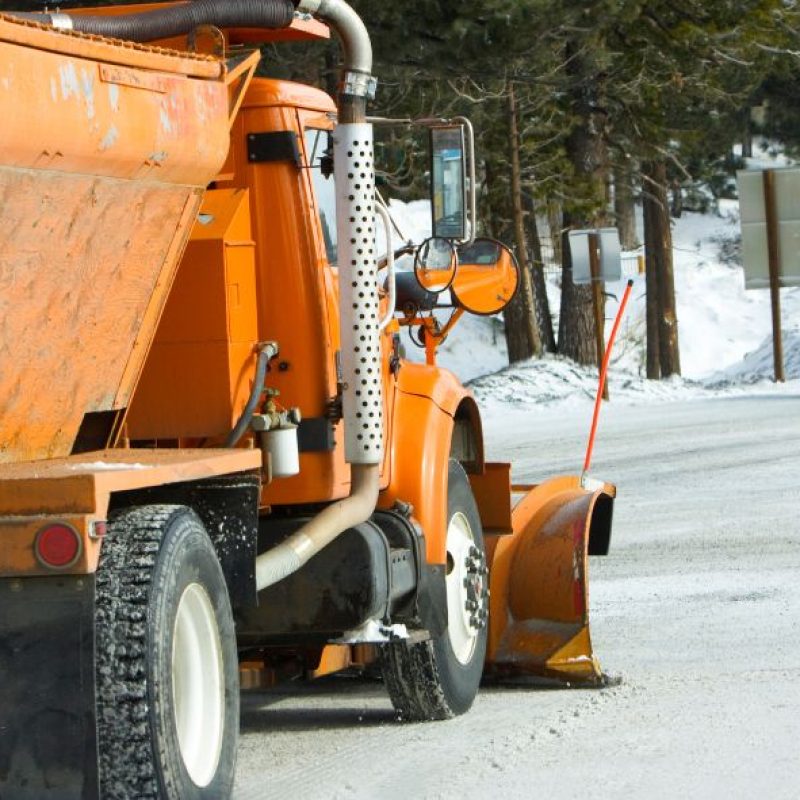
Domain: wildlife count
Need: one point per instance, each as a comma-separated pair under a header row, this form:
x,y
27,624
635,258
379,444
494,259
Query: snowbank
x,y
725,332
719,323
558,381
756,365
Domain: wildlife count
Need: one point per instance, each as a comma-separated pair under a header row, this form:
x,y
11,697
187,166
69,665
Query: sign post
x,y
774,258
595,260
769,202
597,302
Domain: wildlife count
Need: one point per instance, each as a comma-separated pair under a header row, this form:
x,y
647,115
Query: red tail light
x,y
58,546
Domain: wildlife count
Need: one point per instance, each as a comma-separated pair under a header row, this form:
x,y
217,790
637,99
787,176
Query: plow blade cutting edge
x,y
539,609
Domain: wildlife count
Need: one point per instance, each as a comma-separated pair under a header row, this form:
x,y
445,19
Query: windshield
x,y
318,145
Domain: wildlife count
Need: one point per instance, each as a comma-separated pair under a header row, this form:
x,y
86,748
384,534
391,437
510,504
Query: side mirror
x,y
435,264
448,182
487,277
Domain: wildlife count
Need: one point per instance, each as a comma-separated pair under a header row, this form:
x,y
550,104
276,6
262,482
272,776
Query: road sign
x,y
769,208
753,212
609,249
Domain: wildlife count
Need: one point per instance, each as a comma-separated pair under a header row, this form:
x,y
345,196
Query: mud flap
x,y
539,605
48,740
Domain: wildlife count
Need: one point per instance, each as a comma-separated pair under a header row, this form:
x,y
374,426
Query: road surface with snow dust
x,y
697,609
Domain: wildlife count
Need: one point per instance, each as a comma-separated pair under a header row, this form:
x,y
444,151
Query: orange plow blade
x,y
539,604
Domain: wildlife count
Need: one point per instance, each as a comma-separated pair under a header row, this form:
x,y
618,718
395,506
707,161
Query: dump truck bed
x,y
105,150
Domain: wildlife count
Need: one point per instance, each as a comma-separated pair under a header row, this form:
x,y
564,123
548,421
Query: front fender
x,y
427,404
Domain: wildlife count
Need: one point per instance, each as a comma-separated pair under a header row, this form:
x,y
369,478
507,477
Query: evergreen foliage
x,y
602,88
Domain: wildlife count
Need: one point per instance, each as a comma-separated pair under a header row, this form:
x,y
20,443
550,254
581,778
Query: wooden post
x,y
597,297
773,250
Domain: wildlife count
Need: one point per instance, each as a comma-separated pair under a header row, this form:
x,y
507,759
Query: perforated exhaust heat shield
x,y
358,288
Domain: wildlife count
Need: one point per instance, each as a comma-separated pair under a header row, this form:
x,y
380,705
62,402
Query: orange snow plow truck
x,y
216,467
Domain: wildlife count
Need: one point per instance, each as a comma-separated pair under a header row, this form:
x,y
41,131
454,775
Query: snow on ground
x,y
725,332
766,155
696,608
759,362
719,323
561,382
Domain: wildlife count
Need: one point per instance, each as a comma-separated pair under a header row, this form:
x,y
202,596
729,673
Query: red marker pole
x,y
603,372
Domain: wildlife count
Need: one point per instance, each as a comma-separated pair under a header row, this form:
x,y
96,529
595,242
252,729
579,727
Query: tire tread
x,y
414,681
127,561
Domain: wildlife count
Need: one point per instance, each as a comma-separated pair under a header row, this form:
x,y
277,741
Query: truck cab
x,y
239,478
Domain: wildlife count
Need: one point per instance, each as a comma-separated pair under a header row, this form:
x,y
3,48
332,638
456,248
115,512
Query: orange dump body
x,y
105,150
198,375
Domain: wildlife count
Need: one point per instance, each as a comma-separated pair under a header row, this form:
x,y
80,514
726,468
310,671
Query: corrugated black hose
x,y
162,23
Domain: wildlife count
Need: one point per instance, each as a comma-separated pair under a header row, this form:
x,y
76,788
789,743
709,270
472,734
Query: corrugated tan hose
x,y
290,555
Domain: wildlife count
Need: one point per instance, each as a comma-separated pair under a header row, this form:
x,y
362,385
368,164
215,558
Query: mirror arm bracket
x,y
473,191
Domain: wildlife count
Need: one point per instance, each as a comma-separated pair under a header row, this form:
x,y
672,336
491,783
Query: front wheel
x,y
439,678
167,671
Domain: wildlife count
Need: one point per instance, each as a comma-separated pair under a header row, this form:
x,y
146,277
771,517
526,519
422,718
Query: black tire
x,y
426,680
151,557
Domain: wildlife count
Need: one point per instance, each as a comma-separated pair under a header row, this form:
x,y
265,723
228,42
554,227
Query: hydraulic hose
x,y
265,355
163,23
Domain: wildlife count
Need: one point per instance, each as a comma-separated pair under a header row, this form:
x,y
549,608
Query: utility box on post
x,y
769,203
609,255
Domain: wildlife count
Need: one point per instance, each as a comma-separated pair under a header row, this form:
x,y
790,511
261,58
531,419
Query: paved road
x,y
697,609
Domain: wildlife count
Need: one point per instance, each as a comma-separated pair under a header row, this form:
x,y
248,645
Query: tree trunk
x,y
747,133
515,330
495,222
658,244
676,207
586,150
651,282
625,206
529,321
555,220
331,68
543,315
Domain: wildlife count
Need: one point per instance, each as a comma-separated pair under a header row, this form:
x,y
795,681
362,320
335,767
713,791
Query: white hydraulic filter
x,y
284,451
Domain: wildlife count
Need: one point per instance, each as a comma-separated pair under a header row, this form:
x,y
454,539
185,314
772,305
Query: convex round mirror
x,y
487,277
435,264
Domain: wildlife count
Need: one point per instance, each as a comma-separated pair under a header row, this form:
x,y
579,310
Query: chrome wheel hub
x,y
467,588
